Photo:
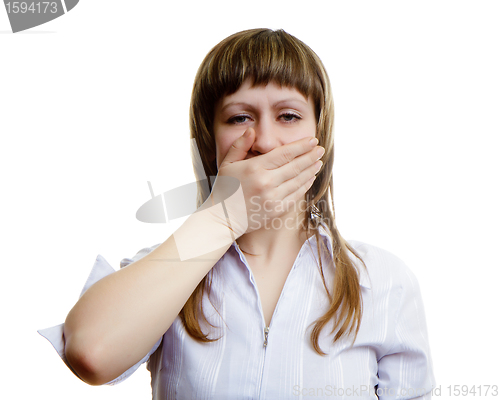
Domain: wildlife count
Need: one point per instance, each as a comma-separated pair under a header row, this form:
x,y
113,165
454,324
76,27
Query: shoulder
x,y
374,254
384,268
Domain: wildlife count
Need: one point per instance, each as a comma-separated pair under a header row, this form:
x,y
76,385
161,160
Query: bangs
x,y
262,56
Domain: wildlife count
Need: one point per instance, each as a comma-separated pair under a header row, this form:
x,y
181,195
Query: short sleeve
x,y
141,253
100,269
405,371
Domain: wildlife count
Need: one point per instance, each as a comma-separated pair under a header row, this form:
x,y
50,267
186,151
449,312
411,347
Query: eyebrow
x,y
275,105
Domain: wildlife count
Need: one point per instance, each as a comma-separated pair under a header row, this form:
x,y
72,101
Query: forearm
x,y
120,318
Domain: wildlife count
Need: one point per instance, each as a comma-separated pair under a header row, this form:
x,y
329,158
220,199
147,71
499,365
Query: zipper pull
x,y
266,334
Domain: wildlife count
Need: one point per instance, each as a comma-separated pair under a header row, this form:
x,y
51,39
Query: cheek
x,y
311,128
302,131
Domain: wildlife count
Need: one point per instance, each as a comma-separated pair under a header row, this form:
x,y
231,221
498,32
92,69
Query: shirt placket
x,y
266,330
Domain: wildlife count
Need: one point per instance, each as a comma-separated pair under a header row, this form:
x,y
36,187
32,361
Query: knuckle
x,y
252,169
287,154
295,169
258,191
265,182
259,185
299,184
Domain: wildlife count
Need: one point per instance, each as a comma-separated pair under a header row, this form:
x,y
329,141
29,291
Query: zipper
x,y
264,347
266,328
266,334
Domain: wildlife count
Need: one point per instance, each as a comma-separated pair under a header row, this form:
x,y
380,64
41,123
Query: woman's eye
x,y
238,119
290,117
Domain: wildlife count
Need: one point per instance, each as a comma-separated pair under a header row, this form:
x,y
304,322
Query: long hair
x,y
264,56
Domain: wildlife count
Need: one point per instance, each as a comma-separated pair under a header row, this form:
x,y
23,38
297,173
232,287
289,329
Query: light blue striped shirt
x,y
390,357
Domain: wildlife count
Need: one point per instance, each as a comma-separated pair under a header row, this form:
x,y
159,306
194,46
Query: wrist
x,y
227,206
202,233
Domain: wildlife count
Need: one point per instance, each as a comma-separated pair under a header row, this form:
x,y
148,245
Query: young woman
x,y
256,295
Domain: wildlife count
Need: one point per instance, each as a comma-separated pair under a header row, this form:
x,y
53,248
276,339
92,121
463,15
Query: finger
x,y
284,154
299,194
295,184
297,166
240,147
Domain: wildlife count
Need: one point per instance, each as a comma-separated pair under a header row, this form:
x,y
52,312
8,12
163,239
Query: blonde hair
x,y
264,56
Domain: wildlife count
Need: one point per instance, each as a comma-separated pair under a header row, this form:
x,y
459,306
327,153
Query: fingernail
x,y
314,141
320,151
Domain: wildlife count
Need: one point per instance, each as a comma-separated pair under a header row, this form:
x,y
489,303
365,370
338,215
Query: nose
x,y
265,139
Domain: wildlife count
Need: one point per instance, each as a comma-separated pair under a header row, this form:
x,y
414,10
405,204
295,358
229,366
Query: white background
x,y
95,103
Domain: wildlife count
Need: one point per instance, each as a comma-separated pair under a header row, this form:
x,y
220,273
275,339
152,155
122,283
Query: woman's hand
x,y
271,183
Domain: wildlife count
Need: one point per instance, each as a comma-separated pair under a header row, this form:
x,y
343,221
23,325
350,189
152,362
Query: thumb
x,y
240,148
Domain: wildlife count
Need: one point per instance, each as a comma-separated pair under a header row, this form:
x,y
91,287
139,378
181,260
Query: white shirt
x,y
390,356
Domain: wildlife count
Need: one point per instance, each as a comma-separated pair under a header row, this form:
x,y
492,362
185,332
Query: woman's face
x,y
278,115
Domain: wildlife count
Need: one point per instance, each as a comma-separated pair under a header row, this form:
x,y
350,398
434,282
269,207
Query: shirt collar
x,y
364,279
